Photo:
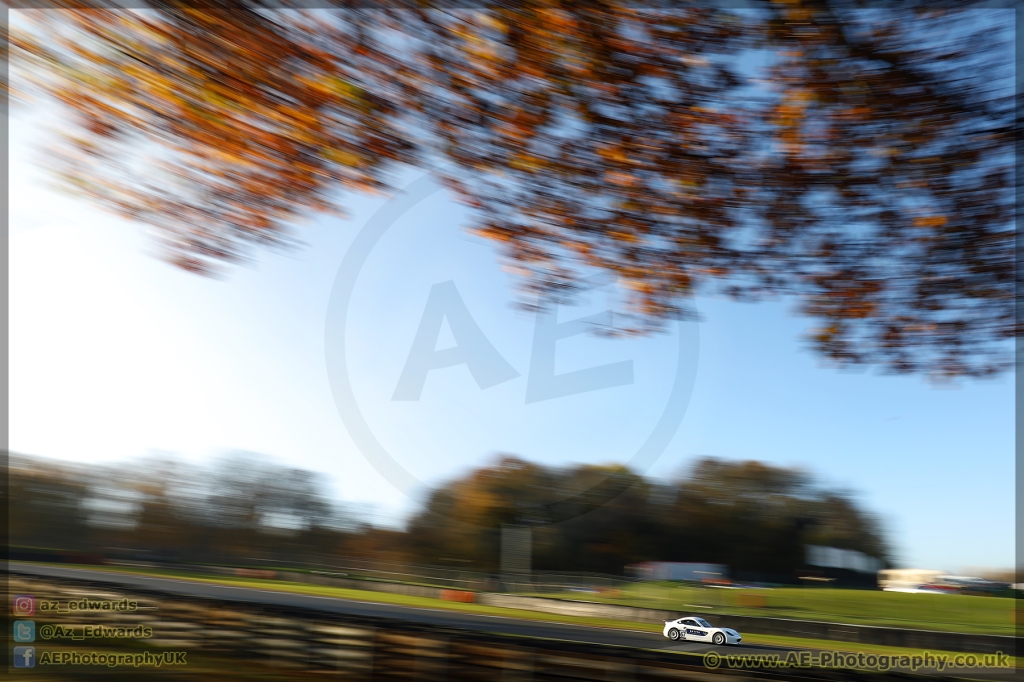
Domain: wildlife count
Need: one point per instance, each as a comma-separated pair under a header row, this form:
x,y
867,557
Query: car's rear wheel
x,y
719,638
673,634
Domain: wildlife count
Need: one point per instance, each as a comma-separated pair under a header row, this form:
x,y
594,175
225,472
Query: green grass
x,y
986,615
951,612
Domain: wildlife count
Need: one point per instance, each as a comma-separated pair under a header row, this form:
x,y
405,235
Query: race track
x,y
425,618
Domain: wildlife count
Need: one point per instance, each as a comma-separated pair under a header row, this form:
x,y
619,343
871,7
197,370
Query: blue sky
x,y
115,354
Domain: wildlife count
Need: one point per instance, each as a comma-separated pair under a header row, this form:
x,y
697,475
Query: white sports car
x,y
696,629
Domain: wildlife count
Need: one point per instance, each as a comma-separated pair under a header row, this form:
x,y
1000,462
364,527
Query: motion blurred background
x,y
823,191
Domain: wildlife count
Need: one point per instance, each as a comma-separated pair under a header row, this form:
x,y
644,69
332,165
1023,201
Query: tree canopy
x,y
859,159
753,517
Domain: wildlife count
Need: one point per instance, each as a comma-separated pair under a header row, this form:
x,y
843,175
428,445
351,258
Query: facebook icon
x,y
24,657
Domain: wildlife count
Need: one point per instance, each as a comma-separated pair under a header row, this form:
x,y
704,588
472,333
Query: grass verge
x,y
950,612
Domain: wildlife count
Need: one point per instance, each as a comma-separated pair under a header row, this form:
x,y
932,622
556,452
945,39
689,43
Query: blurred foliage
x,y
245,509
860,159
752,517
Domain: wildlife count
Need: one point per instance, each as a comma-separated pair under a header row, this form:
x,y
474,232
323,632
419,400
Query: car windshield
x,y
703,623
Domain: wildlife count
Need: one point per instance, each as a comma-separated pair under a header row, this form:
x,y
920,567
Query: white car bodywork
x,y
695,629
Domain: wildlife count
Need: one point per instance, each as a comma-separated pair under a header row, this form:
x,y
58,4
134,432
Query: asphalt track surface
x,y
422,616
441,618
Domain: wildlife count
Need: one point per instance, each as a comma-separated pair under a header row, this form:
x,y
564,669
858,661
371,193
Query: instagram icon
x,y
24,605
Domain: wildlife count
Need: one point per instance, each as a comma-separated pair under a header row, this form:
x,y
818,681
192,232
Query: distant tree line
x,y
755,518
246,509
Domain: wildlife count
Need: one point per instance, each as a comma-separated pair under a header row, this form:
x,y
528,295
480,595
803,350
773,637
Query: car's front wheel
x,y
673,634
719,638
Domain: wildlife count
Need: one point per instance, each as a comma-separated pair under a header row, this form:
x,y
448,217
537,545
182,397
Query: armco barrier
x,y
566,607
839,632
372,585
317,579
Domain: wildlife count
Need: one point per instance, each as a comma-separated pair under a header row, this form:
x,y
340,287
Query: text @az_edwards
x,y
82,632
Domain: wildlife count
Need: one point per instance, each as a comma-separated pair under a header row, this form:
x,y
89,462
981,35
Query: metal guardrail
x,y
460,579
